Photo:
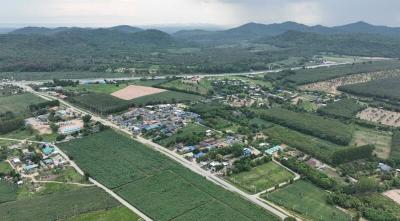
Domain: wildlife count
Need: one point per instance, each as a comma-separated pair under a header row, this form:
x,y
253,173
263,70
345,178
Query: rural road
x,y
282,214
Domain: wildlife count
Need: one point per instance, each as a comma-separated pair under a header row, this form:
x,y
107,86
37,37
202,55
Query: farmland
x,y
96,88
34,76
261,177
134,91
345,108
380,116
387,88
380,139
18,103
395,152
117,214
8,192
305,76
318,148
308,201
106,104
201,86
56,206
149,180
329,129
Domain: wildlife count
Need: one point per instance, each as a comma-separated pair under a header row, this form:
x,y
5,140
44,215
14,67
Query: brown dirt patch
x,y
394,195
133,91
380,116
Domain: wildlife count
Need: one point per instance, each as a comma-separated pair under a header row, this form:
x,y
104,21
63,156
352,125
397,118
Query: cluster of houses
x,y
164,119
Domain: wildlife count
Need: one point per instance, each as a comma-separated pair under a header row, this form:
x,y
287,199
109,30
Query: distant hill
x,y
126,29
51,31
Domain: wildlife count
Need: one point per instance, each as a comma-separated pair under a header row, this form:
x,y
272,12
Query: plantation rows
x,y
57,206
150,181
395,151
388,88
107,104
345,108
324,128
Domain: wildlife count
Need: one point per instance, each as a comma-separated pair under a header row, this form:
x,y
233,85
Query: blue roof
x,y
199,155
48,150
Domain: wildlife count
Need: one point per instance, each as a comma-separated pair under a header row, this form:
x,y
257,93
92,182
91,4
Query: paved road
x,y
171,154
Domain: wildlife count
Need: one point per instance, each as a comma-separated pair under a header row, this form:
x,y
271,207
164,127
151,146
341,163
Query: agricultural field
x,y
19,103
114,214
330,86
5,167
35,76
106,104
96,88
55,206
150,181
8,192
380,116
387,88
395,152
261,177
318,148
344,108
305,76
134,91
201,86
189,135
307,200
380,139
324,128
251,80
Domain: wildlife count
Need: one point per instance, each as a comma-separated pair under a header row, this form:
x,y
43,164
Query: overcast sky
x,y
220,12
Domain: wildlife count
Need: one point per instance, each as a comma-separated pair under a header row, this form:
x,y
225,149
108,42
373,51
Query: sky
x,y
226,13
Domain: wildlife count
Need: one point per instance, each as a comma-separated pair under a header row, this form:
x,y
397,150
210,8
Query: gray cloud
x,y
221,12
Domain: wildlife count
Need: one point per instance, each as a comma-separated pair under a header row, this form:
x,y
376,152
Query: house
x,y
199,155
70,127
273,150
48,150
16,161
247,152
384,168
30,168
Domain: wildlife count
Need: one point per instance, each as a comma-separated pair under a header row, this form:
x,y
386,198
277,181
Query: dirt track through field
x,y
133,91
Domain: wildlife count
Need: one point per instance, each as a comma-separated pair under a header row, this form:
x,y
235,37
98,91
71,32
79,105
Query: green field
x,y
324,128
56,206
5,167
18,103
261,177
395,152
380,139
318,148
308,201
345,108
8,192
106,103
150,181
114,214
34,76
189,135
203,87
96,88
387,88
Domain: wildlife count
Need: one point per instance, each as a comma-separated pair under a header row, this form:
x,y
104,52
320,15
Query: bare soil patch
x,y
381,116
394,195
330,86
133,91
41,127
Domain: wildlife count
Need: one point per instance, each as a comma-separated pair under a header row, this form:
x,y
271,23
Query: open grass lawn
x,y
307,200
20,134
18,103
395,152
8,192
185,135
165,98
161,188
69,174
114,214
5,167
57,206
318,148
97,88
261,177
381,139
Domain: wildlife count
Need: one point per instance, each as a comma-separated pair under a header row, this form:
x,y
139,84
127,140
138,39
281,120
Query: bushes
x,y
8,123
395,151
328,129
351,154
316,177
35,107
345,108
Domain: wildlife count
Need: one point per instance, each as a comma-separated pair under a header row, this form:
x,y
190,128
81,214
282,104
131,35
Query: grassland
x,y
5,167
345,108
308,201
57,206
202,87
8,192
18,103
106,103
149,181
395,152
96,88
318,148
187,135
324,128
114,214
387,88
261,177
380,139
